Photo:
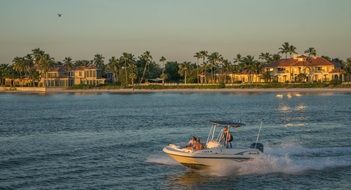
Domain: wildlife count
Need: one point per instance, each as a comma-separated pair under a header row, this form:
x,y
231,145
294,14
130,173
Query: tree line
x,y
128,69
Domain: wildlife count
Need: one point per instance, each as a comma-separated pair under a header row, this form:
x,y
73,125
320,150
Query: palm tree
x,y
132,72
4,73
198,56
37,54
214,59
251,65
236,63
285,49
98,61
311,51
45,63
204,55
146,58
276,57
267,57
163,74
114,66
347,69
68,63
163,60
7,71
84,63
237,59
127,59
30,67
184,69
19,65
227,68
292,50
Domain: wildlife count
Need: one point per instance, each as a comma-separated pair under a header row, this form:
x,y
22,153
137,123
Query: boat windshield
x,y
219,126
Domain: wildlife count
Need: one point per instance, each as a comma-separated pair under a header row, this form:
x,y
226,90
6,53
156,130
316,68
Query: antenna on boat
x,y
258,134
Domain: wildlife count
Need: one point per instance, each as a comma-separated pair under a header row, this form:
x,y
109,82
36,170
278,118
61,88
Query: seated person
x,y
191,142
198,145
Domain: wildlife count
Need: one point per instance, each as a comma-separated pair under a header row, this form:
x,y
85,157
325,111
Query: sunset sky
x,y
175,29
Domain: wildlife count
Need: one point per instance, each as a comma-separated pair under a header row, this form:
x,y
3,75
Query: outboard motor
x,y
258,146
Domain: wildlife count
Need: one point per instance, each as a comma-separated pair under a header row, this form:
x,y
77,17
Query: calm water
x,y
114,141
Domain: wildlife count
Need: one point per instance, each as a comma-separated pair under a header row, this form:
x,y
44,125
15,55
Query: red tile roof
x,y
301,61
84,67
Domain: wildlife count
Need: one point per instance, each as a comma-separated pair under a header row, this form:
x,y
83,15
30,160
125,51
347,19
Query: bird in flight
x,y
59,14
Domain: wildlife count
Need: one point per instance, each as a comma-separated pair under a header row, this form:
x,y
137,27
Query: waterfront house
x,y
245,77
88,75
302,68
19,82
57,77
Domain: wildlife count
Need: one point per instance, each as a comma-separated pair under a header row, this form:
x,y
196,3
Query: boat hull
x,y
210,157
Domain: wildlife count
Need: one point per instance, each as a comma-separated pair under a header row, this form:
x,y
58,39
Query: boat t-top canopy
x,y
220,123
227,123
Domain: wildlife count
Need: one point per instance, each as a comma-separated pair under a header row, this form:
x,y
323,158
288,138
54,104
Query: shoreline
x,y
180,90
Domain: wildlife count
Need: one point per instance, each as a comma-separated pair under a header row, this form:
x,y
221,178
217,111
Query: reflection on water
x,y
115,141
288,95
293,116
294,125
300,107
189,178
284,108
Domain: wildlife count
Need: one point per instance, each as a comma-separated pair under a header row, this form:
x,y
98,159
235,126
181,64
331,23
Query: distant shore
x,y
129,90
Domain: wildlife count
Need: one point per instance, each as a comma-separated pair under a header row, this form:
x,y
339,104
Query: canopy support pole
x,y
258,134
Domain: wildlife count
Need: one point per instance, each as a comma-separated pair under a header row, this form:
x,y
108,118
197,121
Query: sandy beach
x,y
185,90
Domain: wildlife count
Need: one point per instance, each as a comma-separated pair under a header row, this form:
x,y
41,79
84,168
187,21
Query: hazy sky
x,y
172,28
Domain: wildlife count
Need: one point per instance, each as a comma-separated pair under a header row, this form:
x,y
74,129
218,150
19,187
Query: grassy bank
x,y
218,86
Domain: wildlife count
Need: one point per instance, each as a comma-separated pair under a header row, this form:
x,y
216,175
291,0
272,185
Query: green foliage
x,y
171,70
98,61
129,69
335,82
221,85
301,77
267,76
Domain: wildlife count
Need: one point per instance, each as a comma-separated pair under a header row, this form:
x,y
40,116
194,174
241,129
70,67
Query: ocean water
x,y
115,141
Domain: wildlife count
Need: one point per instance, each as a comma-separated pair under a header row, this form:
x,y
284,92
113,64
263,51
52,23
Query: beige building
x,y
304,69
18,82
245,77
88,76
57,77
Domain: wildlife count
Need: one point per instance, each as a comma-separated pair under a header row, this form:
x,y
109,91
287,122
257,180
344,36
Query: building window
x,y
319,69
281,70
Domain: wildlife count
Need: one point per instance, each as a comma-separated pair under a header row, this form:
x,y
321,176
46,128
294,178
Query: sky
x,y
175,29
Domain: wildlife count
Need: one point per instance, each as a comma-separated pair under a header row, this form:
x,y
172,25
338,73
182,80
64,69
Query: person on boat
x,y
227,137
191,142
198,145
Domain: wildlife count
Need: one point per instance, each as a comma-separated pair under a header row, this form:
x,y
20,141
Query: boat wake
x,y
287,159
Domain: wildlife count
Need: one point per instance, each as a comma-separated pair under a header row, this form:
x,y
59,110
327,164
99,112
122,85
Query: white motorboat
x,y
214,150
